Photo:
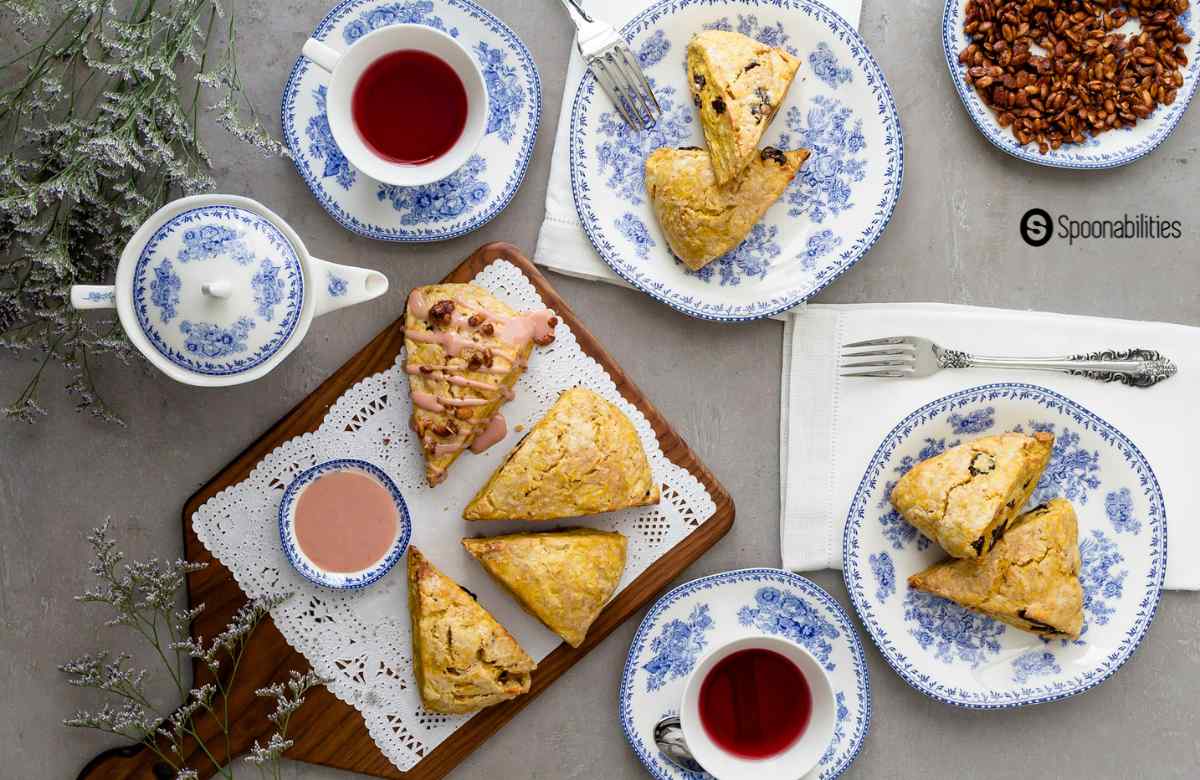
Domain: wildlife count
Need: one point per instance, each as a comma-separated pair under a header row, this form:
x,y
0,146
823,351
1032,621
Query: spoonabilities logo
x,y
1036,227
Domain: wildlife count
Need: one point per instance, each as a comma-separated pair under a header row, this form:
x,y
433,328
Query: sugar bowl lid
x,y
217,289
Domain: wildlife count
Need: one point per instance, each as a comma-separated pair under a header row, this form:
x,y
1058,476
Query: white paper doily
x,y
360,639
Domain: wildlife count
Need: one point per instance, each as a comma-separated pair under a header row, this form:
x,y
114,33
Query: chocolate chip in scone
x,y
754,64
978,545
696,101
1037,625
998,533
441,311
718,105
771,153
699,80
690,149
982,463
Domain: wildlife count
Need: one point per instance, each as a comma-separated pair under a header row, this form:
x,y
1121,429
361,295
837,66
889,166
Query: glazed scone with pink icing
x,y
584,457
464,351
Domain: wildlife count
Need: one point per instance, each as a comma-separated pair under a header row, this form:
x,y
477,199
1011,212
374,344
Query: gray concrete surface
x,y
954,238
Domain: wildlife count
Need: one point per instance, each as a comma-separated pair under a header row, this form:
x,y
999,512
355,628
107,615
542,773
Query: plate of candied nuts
x,y
1073,83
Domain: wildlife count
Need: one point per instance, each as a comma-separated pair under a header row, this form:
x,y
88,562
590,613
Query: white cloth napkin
x,y
830,426
562,245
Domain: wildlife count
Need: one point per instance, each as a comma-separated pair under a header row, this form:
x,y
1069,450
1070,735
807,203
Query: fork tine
x,y
893,373
627,88
903,349
876,342
634,71
876,363
606,81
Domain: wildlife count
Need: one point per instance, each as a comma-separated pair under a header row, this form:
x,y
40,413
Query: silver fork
x,y
914,357
615,68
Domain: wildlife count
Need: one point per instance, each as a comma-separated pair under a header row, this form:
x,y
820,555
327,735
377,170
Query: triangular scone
x,y
465,349
737,84
1030,579
964,498
703,221
463,659
582,458
563,578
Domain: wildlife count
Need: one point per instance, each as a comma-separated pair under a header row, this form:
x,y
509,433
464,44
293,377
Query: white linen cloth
x,y
830,426
562,245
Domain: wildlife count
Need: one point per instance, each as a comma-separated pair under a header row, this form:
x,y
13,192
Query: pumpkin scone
x,y
563,578
702,220
464,351
737,85
965,497
1030,579
582,458
463,659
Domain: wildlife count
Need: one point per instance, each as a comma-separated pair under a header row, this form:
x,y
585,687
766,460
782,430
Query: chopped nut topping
x,y
488,329
474,320
441,311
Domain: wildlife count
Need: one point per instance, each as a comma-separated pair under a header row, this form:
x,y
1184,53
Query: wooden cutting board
x,y
326,730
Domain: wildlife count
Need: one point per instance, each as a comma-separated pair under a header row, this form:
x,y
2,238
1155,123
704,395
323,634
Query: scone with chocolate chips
x,y
737,84
584,457
1030,579
702,220
964,498
463,659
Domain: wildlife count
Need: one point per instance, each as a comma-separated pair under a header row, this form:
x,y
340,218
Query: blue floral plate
x,y
458,204
692,618
961,657
1107,150
840,107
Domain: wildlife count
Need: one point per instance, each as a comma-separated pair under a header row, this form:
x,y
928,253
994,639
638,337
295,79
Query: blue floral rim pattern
x,y
892,157
858,584
1001,138
300,561
414,229
767,577
209,348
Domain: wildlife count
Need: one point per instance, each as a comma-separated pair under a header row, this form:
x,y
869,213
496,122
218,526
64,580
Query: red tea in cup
x,y
755,703
409,106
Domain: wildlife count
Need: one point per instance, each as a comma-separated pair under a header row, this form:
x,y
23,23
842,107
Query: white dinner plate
x,y
840,108
961,657
695,617
1107,150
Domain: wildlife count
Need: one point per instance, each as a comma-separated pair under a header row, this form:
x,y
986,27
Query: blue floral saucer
x,y
961,657
458,204
1107,150
696,616
840,108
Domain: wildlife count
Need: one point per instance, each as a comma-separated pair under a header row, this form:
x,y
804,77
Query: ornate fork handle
x,y
1133,367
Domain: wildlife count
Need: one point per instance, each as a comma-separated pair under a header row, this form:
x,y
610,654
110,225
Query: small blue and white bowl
x,y
304,565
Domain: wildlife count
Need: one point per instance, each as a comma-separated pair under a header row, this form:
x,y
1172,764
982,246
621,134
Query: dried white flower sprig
x,y
99,116
143,596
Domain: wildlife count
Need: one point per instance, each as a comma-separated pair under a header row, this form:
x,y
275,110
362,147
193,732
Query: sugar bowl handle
x,y
325,57
93,296
337,285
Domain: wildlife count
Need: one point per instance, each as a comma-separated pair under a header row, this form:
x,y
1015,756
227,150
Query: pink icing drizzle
x,y
448,339
497,429
534,325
